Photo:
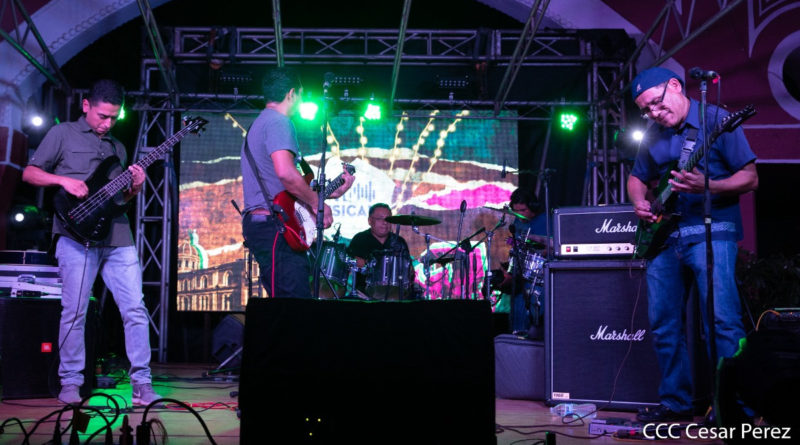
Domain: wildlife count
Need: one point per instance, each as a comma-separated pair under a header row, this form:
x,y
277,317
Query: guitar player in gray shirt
x,y
67,157
271,143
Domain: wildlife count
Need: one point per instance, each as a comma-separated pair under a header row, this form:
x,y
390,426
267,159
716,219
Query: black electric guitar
x,y
650,237
89,219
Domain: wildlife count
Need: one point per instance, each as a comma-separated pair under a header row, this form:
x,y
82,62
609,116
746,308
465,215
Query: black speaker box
x,y
367,372
29,347
598,345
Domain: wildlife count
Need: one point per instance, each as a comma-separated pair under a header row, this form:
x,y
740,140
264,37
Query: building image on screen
x,y
425,165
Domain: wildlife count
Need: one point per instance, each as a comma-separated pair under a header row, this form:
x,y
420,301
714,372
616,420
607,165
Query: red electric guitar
x,y
301,225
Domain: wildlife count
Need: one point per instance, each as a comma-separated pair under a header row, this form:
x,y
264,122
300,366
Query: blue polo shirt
x,y
728,154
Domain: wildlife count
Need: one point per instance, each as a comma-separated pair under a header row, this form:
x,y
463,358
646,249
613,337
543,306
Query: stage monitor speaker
x,y
597,325
29,348
227,339
317,371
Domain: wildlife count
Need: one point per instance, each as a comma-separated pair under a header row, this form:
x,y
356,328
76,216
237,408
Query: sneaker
x,y
70,394
143,394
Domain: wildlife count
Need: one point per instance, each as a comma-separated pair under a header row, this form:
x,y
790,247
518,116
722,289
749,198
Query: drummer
x,y
530,230
378,237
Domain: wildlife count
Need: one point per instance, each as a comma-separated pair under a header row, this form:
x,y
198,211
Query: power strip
x,y
613,424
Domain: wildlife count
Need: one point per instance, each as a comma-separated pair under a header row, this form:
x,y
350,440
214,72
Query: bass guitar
x,y
300,222
89,219
650,236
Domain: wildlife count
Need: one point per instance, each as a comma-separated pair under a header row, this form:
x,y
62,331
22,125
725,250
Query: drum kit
x,y
389,274
526,251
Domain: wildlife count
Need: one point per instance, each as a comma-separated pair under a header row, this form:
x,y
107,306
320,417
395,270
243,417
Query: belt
x,y
260,211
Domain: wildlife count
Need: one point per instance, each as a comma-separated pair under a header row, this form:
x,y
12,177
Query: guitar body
x,y
93,225
650,237
295,233
301,225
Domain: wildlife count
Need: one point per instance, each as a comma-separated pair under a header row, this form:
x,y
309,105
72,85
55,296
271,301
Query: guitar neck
x,y
333,185
691,163
123,181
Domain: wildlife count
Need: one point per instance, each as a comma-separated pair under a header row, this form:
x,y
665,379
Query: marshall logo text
x,y
603,335
617,228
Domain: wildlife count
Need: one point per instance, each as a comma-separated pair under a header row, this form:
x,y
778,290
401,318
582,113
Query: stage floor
x,y
518,421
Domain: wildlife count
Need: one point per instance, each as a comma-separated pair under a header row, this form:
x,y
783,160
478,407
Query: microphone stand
x,y
458,257
547,174
711,316
489,236
321,187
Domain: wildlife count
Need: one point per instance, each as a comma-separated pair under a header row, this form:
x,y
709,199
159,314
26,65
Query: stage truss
x,y
160,105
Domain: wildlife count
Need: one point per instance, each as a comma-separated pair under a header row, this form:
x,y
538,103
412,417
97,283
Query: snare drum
x,y
388,276
333,263
532,265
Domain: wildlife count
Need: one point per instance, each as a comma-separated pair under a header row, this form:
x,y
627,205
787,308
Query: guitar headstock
x,y
194,124
733,120
349,167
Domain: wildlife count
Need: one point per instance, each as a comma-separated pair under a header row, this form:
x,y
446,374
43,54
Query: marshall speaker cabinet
x,y
598,346
605,231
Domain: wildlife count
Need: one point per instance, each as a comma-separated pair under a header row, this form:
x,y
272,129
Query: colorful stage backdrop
x,y
421,165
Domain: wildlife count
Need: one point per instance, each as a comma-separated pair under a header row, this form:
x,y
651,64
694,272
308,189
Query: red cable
x,y
274,243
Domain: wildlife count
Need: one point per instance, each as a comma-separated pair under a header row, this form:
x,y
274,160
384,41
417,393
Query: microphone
x,y
699,73
338,232
503,173
463,206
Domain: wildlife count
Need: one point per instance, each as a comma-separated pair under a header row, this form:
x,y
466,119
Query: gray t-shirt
x,y
271,131
73,150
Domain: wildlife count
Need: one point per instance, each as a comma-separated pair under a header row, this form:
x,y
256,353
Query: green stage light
x,y
308,110
568,120
372,112
121,114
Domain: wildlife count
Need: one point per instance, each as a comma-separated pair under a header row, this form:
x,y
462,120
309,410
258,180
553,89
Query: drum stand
x,y
353,269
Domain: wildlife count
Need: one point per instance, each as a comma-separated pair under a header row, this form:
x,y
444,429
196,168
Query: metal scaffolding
x,y
159,103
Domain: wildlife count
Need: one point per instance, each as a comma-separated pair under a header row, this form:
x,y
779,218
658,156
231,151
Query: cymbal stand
x,y
489,236
427,258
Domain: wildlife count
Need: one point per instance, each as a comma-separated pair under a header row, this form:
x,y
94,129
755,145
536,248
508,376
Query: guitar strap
x,y
688,147
267,196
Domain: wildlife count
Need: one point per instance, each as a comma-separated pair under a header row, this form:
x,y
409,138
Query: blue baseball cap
x,y
651,77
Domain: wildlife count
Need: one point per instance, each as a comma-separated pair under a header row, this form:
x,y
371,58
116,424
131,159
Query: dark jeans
x,y
667,312
292,270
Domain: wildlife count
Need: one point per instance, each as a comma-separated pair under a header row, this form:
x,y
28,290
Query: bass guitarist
x,y
660,95
272,145
67,156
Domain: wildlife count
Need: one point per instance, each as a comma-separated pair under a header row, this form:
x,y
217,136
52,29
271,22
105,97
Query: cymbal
x,y
412,220
507,211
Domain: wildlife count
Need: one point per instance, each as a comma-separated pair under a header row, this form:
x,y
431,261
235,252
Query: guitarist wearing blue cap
x,y
671,233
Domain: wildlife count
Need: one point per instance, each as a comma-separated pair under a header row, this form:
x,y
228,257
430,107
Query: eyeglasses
x,y
647,111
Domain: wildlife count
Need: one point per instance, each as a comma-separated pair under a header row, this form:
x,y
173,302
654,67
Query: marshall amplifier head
x,y
605,231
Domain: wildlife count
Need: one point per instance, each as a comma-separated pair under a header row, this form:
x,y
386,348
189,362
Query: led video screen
x,y
424,165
